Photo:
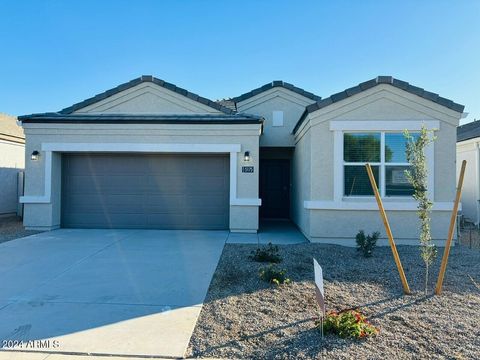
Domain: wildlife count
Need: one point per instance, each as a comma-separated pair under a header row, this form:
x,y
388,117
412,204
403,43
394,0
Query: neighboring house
x,y
468,147
148,154
12,160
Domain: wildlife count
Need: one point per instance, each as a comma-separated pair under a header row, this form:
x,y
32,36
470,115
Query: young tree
x,y
418,177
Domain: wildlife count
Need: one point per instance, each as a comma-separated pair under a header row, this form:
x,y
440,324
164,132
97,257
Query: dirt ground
x,y
246,318
12,228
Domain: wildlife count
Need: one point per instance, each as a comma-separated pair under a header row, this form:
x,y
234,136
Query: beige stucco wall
x,y
292,105
341,226
276,99
242,218
381,103
301,180
148,98
469,151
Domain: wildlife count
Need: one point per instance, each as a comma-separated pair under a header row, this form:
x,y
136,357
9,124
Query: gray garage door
x,y
145,191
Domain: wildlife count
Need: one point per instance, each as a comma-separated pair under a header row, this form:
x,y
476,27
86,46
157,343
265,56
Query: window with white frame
x,y
386,153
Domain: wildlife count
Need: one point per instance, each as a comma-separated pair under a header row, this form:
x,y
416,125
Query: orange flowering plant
x,y
347,324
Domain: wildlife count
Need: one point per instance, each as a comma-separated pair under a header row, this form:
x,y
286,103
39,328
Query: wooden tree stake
x,y
406,288
446,252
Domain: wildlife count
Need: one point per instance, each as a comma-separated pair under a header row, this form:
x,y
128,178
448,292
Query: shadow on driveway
x,y
128,292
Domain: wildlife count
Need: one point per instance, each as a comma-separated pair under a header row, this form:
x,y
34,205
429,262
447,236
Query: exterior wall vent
x,y
277,118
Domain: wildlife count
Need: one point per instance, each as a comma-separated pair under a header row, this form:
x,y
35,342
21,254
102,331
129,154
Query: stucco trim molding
x,y
393,125
372,205
246,202
232,149
141,148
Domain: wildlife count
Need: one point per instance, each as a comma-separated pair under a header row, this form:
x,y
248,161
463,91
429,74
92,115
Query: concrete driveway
x,y
122,292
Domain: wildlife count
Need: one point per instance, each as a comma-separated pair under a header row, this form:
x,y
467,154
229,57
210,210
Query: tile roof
x,y
140,80
372,83
274,84
468,131
9,130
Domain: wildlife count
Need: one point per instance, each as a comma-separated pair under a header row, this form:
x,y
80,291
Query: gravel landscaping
x,y
12,228
243,317
470,237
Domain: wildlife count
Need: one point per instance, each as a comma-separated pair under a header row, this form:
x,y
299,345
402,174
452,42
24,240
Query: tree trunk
x,y
426,279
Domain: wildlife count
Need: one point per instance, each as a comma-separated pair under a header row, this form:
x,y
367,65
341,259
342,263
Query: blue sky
x,y
56,53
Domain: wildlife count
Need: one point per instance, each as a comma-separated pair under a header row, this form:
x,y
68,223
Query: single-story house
x,y
468,147
12,162
148,154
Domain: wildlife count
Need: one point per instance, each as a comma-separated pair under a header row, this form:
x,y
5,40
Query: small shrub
x,y
347,324
366,244
268,253
274,275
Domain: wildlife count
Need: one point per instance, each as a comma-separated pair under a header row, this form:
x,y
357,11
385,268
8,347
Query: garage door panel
x,y
122,199
165,183
120,165
165,204
105,164
134,207
99,206
77,168
210,184
206,221
105,184
198,212
145,191
170,221
78,184
106,210
81,219
97,200
206,202
171,165
75,200
127,184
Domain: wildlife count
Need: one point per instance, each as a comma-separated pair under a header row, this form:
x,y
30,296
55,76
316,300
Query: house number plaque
x,y
247,169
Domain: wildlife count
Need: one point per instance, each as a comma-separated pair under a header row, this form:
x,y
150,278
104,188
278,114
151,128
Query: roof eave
x,y
57,118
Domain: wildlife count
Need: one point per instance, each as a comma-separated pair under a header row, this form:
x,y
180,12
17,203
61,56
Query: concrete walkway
x,y
115,292
277,232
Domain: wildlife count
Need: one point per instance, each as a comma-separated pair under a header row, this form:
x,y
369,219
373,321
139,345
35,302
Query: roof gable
x,y
143,82
275,84
147,98
388,80
287,97
382,105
